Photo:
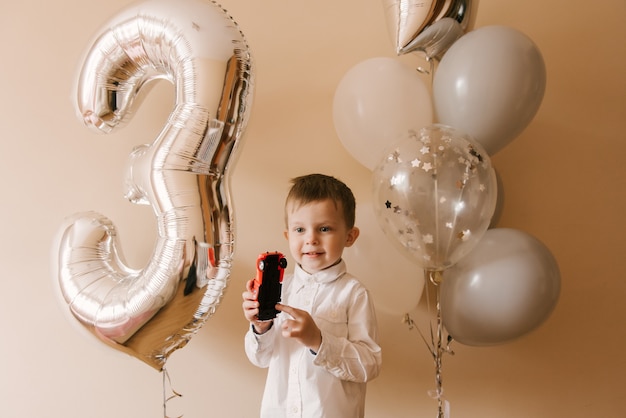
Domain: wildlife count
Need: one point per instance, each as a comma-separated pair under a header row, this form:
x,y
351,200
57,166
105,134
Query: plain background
x,y
563,178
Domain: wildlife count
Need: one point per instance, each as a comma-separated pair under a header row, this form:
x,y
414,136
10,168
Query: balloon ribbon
x,y
167,387
436,345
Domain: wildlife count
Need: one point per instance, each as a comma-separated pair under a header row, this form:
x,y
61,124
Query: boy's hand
x,y
250,307
302,327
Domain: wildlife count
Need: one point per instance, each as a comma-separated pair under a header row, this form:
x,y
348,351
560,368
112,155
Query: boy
x,y
322,348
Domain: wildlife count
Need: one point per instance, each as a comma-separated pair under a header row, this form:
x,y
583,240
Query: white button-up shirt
x,y
331,383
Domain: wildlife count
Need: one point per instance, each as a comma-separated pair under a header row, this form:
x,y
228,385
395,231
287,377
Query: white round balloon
x,y
506,287
490,84
395,282
375,103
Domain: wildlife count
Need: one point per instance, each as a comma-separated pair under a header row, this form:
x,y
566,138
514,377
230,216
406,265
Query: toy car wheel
x,y
261,265
283,262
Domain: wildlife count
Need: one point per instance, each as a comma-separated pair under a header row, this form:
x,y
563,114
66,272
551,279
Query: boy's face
x,y
317,234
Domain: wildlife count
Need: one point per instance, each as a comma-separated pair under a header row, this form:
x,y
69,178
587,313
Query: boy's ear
x,y
286,234
353,234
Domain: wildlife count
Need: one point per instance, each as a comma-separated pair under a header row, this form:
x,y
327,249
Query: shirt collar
x,y
327,275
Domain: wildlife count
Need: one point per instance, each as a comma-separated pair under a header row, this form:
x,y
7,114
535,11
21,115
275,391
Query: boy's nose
x,y
311,238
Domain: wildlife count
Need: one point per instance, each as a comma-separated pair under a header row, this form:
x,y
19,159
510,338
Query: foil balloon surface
x,y
428,26
183,175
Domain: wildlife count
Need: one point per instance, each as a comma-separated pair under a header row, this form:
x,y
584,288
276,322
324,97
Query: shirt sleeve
x,y
358,357
259,347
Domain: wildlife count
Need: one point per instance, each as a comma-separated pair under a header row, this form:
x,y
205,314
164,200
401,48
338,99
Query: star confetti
x,y
475,153
394,156
427,167
415,163
464,235
428,238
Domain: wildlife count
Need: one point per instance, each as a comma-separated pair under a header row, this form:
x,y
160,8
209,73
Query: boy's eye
x,y
299,230
324,229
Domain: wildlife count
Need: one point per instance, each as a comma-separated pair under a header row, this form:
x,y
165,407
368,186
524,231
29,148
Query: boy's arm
x,y
259,347
357,358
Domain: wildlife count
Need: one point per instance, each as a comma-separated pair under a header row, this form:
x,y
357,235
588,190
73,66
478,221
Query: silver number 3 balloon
x,y
183,175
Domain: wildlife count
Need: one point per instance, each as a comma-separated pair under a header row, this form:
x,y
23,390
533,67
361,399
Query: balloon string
x,y
430,71
167,385
435,279
436,346
411,324
460,234
436,205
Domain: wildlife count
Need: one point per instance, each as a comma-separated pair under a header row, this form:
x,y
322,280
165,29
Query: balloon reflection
x,y
183,175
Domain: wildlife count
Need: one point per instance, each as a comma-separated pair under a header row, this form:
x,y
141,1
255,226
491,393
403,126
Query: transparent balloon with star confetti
x,y
435,192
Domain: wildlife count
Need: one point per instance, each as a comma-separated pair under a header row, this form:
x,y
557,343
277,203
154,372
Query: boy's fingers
x,y
288,309
284,308
250,304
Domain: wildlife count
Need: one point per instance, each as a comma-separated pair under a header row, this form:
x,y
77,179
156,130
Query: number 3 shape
x,y
183,175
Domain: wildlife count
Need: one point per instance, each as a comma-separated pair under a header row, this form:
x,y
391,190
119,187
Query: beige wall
x,y
563,178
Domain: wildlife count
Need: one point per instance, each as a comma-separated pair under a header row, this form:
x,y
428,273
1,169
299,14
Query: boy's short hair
x,y
315,187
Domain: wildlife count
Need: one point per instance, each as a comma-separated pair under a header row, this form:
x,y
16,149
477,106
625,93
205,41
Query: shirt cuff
x,y
256,333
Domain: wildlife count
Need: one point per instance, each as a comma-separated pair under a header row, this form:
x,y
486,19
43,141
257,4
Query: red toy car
x,y
270,267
